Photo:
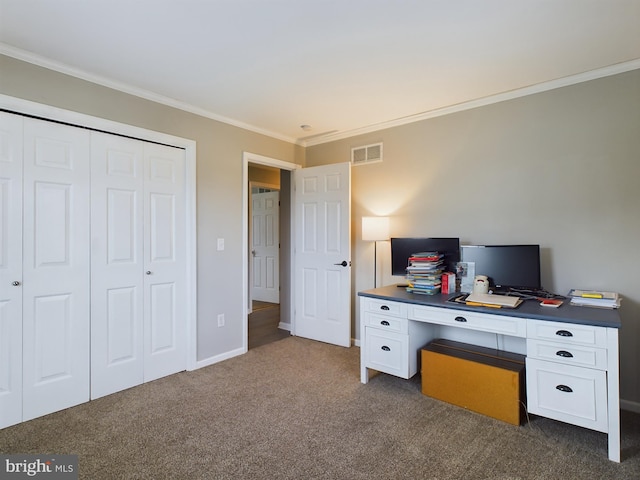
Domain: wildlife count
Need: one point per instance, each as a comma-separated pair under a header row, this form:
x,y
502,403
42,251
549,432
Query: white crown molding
x,y
480,102
340,135
138,92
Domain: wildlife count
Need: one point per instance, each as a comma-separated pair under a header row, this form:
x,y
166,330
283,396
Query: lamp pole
x,y
375,229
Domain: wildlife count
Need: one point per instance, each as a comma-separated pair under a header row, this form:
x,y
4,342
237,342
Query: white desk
x,y
572,366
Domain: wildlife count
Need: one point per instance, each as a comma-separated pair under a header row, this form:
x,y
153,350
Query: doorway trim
x,y
247,158
55,114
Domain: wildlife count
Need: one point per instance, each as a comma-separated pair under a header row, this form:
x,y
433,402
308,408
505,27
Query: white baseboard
x,y
219,358
284,326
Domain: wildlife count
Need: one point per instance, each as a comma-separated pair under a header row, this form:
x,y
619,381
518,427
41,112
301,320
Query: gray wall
x,y
560,168
219,182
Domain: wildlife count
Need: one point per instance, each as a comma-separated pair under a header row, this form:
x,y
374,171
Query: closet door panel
x,y
116,264
165,268
56,267
10,269
53,339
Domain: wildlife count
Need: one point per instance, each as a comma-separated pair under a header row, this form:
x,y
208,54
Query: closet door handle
x,y
15,283
148,272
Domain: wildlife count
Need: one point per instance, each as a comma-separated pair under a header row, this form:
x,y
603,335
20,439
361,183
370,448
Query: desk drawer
x,y
578,355
386,322
567,333
570,394
501,324
387,352
395,309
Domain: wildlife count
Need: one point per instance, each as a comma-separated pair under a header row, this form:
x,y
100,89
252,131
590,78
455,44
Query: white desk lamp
x,y
375,229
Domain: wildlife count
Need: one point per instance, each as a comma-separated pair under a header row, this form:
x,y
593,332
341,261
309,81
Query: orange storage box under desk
x,y
484,380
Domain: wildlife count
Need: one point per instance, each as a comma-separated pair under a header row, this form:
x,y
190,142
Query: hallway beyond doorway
x,y
263,324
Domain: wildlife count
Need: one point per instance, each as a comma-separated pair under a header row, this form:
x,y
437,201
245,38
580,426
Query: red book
x,y
448,282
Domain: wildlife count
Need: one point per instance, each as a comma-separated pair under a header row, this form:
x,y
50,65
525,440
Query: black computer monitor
x,y
403,248
507,266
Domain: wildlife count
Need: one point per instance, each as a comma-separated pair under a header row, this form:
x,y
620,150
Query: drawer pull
x,y
460,319
564,333
564,388
385,323
564,353
385,348
384,307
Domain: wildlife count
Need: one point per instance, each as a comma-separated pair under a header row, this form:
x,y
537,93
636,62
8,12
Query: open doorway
x,y
267,245
315,275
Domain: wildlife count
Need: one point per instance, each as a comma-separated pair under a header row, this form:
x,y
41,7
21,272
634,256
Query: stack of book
x,y
424,272
592,298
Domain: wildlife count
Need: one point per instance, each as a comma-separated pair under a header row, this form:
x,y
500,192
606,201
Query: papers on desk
x,y
494,301
592,298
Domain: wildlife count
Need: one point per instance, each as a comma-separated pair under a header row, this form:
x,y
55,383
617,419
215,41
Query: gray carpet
x,y
295,409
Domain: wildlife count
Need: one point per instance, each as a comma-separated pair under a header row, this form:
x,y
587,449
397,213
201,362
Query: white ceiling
x,y
341,66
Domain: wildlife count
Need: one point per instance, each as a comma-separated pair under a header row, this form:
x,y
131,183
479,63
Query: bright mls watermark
x,y
52,467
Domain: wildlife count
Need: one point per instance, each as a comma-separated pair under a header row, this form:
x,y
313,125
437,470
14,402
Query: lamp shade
x,y
375,229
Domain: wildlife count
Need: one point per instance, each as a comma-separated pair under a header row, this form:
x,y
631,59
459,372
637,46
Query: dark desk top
x,y
600,317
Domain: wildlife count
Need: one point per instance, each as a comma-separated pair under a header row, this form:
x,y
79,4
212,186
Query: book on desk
x,y
489,300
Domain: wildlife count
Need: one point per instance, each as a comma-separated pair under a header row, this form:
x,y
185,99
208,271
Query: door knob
x,y
342,263
16,283
148,272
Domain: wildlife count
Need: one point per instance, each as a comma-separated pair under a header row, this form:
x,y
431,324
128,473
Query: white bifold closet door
x,y
56,267
92,265
138,269
11,279
44,326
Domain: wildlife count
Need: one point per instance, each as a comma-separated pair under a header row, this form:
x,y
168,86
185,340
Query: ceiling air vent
x,y
366,154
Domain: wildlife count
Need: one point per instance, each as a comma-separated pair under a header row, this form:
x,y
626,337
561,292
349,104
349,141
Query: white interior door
x,y
165,296
10,269
265,246
55,268
323,253
117,178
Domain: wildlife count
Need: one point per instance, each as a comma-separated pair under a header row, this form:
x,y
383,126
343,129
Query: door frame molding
x,y
55,114
247,158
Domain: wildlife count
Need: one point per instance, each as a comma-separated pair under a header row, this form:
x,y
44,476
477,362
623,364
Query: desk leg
x,y
364,374
613,394
364,371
